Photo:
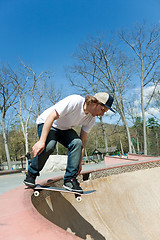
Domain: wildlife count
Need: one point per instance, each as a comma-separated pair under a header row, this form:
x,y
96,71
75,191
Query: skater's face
x,y
97,109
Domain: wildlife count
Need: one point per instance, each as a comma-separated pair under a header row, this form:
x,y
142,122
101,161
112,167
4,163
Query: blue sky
x,y
45,33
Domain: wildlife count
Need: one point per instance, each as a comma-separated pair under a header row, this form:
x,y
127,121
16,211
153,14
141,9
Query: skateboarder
x,y
56,124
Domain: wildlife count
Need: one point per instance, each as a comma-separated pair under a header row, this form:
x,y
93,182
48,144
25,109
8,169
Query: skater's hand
x,y
38,148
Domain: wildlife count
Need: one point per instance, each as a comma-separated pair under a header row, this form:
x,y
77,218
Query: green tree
x,y
153,130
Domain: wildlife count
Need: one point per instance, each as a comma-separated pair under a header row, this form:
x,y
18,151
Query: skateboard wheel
x,y
79,199
36,193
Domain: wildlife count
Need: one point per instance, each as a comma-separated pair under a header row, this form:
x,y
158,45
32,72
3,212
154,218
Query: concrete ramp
x,y
125,206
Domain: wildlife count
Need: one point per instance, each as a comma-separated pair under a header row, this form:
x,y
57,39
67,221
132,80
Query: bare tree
x,y
39,98
103,67
45,95
156,99
144,44
7,99
53,94
104,134
25,82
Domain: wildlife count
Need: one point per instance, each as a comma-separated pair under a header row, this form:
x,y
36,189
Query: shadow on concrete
x,y
61,212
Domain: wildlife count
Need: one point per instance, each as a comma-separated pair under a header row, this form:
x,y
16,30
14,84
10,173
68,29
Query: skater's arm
x,y
40,145
83,136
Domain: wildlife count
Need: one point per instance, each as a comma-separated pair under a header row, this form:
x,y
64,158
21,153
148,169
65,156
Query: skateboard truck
x,y
78,197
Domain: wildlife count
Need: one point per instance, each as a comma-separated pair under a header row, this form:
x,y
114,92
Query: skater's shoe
x,y
72,185
30,180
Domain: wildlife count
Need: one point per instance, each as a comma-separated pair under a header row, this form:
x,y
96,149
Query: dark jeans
x,y
67,138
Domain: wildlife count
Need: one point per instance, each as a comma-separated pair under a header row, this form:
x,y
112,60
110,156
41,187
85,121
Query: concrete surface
x,y
126,206
20,221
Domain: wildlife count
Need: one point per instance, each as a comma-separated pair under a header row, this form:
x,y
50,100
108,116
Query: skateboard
x,y
78,197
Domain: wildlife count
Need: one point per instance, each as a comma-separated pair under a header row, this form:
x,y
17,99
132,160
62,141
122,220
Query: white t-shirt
x,y
71,114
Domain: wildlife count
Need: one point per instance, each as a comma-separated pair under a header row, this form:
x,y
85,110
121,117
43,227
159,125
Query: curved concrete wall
x,y
125,206
19,220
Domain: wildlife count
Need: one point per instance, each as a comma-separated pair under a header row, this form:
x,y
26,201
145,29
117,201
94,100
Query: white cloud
x,y
109,113
149,91
137,103
151,111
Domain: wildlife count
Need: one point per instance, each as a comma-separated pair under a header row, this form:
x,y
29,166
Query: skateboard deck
x,y
38,188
